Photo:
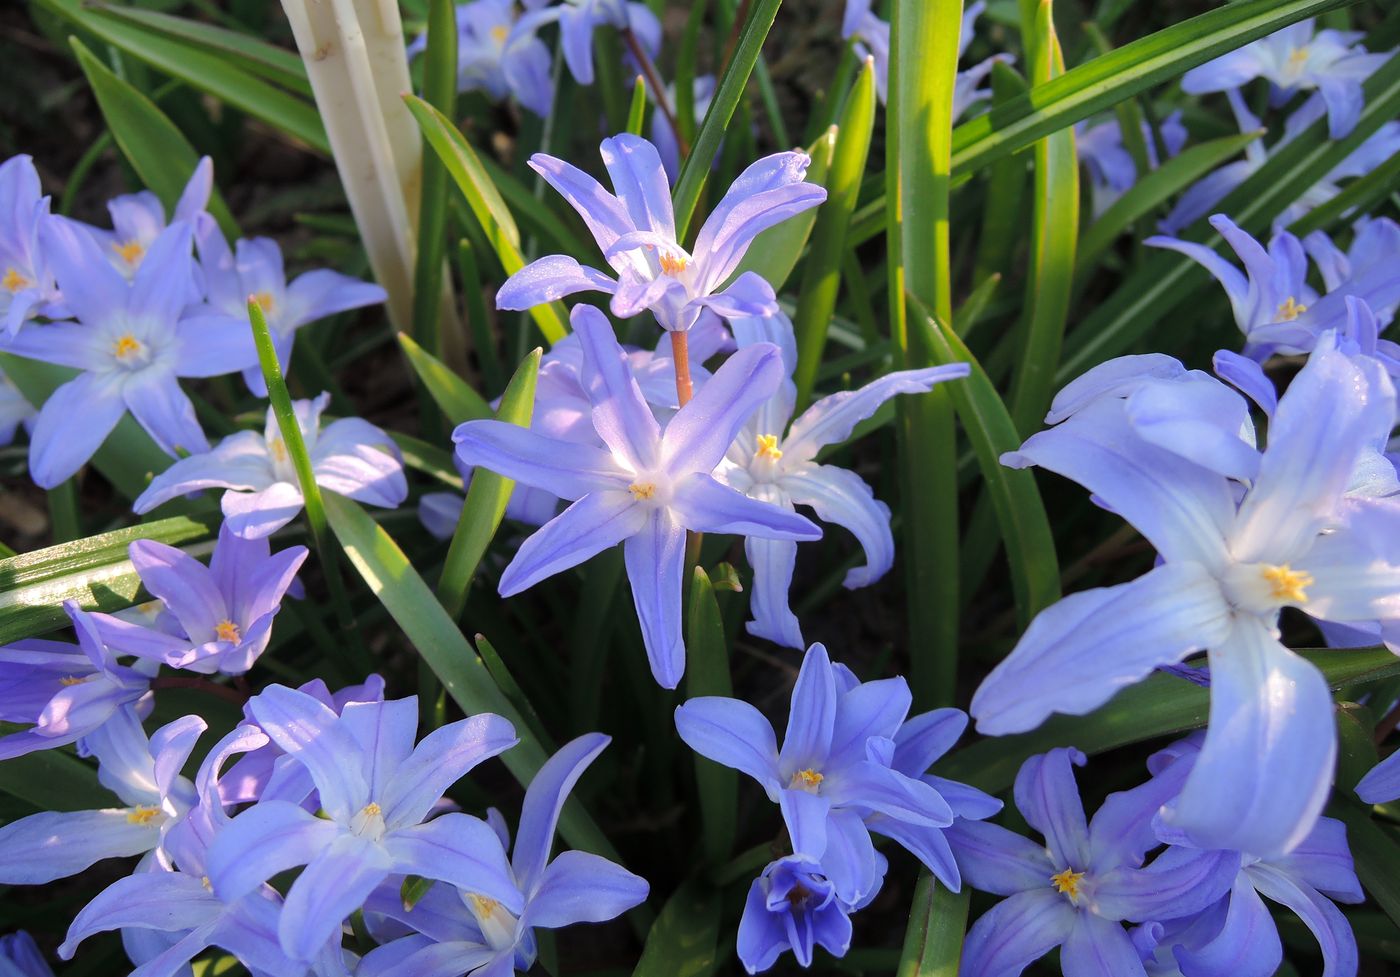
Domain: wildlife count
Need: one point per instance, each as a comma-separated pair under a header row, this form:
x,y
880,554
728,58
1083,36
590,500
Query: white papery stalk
x,y
355,60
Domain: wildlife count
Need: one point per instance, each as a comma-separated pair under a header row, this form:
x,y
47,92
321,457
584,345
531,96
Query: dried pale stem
x,y
657,88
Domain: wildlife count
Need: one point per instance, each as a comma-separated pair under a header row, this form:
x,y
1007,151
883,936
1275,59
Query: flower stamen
x,y
226,630
808,780
127,347
14,281
768,447
130,251
642,491
1288,584
142,815
1067,883
672,264
1290,309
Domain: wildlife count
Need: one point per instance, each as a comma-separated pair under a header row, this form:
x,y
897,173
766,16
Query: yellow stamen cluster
x,y
130,251
13,281
1298,55
1290,309
142,815
126,347
68,680
372,810
483,906
265,301
1067,882
278,447
642,491
672,264
1288,584
499,33
808,780
768,447
204,881
226,630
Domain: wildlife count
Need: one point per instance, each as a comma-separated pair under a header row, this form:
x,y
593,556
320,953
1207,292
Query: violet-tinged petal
x,y
1248,377
700,433
655,560
1200,419
315,737
639,181
603,213
620,412
332,886
732,733
442,758
804,815
1118,377
93,289
811,717
567,469
705,505
999,861
924,738
832,419
212,344
1271,738
1339,952
875,786
61,343
321,293
1382,782
239,461
457,849
580,887
870,709
1015,932
1048,797
1080,651
268,838
1096,947
164,901
548,279
773,561
1178,882
55,844
544,800
594,523
749,295
261,513
185,585
842,497
1323,861
72,425
162,408
1247,944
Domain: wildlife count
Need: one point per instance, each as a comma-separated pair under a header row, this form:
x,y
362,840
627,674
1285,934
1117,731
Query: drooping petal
x,y
1323,861
567,469
842,497
332,886
773,561
1271,739
733,733
548,279
164,901
580,887
595,522
1333,931
1016,931
700,433
544,800
1080,651
1247,944
654,557
443,757
832,419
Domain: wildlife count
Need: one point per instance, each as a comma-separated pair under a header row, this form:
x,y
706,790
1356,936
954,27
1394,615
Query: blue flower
x,y
350,457
1233,556
254,269
27,287
1274,306
219,616
645,489
578,19
63,693
1076,890
144,773
492,60
20,957
1297,58
463,930
1375,243
776,464
132,342
840,773
1112,170
375,788
636,230
792,906
138,219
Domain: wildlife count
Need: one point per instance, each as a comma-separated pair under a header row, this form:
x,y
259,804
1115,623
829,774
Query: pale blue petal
x,y
567,469
161,407
832,419
252,515
1015,932
603,213
548,279
639,181
1323,861
704,505
332,886
544,800
620,412
732,733
72,425
239,461
460,850
1247,944
804,816
55,844
999,861
1339,953
1179,882
313,735
266,839
1381,784
1096,947
594,523
655,561
811,716
700,433
840,496
579,887
164,901
443,757
1048,798
773,561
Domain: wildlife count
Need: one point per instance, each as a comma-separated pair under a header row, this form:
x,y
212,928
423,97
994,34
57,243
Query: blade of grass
x,y
683,940
487,497
1054,235
453,395
732,83
707,673
306,479
934,938
1025,528
923,68
636,112
440,91
479,320
1003,226
485,201
1359,197
775,253
821,278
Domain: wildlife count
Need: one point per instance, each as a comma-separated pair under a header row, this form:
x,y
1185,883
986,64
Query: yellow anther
x,y
265,301
1298,55
228,631
1288,584
126,347
673,265
371,810
68,680
14,281
204,881
1290,309
768,447
642,491
130,251
483,906
1067,882
278,447
808,780
499,33
142,815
